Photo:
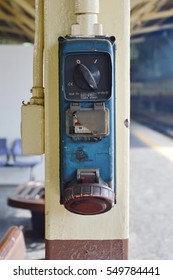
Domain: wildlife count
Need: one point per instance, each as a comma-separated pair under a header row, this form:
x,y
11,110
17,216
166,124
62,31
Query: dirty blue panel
x,y
77,152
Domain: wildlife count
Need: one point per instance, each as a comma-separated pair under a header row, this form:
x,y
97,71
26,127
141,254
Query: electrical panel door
x,y
87,124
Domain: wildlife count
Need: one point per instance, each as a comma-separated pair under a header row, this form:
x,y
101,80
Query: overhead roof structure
x,y
17,18
148,16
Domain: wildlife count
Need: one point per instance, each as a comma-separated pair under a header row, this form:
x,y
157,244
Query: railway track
x,y
160,122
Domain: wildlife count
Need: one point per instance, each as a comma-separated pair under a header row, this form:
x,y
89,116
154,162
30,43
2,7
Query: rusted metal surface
x,y
88,194
87,249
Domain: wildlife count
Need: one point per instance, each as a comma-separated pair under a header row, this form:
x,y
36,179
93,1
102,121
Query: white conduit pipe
x,y
87,21
38,90
87,6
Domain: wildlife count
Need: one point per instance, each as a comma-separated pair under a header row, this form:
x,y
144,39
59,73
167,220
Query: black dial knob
x,y
86,78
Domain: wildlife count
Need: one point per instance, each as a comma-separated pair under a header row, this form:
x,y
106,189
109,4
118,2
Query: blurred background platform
x,y
151,192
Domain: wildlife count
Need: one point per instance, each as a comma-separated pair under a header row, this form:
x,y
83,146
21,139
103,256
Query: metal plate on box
x,y
87,121
87,77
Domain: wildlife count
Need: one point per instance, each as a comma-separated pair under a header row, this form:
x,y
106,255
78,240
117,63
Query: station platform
x,y
151,199
151,194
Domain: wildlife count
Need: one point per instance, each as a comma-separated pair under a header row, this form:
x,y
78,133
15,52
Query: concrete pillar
x,y
70,236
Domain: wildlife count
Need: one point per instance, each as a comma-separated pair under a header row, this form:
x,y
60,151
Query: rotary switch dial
x,y
87,78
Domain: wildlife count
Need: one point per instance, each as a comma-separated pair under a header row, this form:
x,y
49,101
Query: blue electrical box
x,y
87,124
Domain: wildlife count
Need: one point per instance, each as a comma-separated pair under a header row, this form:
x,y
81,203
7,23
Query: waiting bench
x,y
4,152
12,246
31,196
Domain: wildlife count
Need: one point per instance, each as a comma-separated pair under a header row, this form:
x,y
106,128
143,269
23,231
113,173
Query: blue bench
x,y
4,152
15,158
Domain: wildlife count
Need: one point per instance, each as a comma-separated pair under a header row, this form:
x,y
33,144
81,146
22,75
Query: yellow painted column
x,y
102,232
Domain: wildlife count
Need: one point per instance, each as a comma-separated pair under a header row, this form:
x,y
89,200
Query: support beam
x,y
138,15
25,30
155,16
154,28
134,3
27,7
71,236
18,16
11,30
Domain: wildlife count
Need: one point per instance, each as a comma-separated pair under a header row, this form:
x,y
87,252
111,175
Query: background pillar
x,y
71,236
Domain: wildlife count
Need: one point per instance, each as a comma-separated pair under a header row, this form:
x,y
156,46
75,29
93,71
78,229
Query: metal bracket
x,y
88,175
75,106
99,106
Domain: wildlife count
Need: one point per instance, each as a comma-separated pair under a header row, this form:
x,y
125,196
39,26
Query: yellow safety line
x,y
166,152
145,139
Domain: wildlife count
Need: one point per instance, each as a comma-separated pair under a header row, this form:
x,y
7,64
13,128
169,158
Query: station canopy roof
x,y
17,18
17,21
150,16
